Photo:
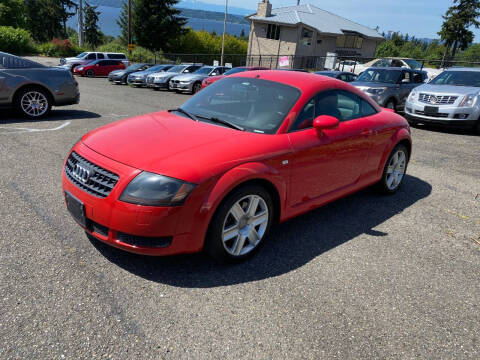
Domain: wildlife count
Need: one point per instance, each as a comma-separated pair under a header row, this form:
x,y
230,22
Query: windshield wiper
x,y
180,110
223,122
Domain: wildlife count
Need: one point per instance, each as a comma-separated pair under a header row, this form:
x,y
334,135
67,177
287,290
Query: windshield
x,y
458,78
177,69
380,76
155,68
204,71
414,64
135,66
235,70
79,56
254,104
329,74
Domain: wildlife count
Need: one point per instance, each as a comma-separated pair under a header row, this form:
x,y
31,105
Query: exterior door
x,y
332,160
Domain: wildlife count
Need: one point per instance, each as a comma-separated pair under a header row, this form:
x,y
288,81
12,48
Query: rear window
x,y
117,56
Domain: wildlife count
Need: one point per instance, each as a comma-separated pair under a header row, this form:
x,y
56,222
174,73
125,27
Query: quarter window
x,y
273,31
100,56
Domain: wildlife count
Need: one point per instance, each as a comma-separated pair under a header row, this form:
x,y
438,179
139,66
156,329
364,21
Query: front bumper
x,y
136,81
157,83
447,114
146,230
178,86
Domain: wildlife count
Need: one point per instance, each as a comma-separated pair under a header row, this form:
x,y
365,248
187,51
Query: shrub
x,y
140,54
60,48
16,41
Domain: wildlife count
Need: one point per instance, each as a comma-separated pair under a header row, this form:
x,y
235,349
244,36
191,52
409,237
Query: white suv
x,y
84,58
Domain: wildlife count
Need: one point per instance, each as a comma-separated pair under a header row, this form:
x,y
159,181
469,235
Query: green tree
x,y
68,9
12,13
122,22
93,36
457,21
157,24
387,48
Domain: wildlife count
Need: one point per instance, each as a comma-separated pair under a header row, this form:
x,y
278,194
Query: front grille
x,y
437,99
175,81
99,229
142,241
150,80
89,177
439,115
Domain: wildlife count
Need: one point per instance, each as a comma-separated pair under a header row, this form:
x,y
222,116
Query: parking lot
x,y
365,277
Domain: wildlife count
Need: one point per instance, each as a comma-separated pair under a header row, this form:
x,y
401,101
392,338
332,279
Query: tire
x,y
90,73
196,88
236,232
390,104
394,170
33,102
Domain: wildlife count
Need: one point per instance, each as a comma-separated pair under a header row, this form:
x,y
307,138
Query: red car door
x,y
332,161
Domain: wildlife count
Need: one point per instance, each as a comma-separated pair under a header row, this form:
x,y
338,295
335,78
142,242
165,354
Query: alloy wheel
x,y
34,103
396,169
390,105
245,225
90,73
197,88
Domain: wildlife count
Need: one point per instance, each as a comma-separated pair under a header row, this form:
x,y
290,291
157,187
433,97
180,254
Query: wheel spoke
x,y
253,236
390,169
230,233
252,208
238,245
237,212
390,181
260,219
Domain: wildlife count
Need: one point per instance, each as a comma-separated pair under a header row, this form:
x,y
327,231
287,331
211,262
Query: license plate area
x,y
430,110
76,208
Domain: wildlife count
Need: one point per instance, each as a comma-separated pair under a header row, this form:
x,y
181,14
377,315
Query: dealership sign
x,y
283,61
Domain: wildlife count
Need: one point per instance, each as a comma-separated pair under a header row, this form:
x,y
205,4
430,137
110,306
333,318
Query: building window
x,y
273,31
350,41
307,37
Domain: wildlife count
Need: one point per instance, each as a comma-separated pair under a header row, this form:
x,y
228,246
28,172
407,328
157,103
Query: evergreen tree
x,y
93,36
69,8
157,24
12,13
242,34
122,22
457,21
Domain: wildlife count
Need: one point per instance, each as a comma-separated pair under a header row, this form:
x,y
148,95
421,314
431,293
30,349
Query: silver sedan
x,y
32,89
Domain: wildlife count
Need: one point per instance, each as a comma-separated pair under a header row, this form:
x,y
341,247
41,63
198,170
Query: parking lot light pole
x,y
224,29
80,23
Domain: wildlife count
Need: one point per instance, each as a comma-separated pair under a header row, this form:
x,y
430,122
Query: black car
x,y
120,76
340,75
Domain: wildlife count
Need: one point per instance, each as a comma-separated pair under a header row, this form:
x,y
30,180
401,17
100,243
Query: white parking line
x,y
19,130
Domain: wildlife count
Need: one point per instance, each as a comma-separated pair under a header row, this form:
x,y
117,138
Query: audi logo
x,y
82,173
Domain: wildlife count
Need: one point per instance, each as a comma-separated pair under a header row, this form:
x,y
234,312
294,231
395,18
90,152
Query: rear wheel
x,y
90,73
394,170
196,87
240,224
33,103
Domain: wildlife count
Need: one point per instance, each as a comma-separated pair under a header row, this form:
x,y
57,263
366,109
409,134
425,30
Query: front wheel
x,y
33,103
196,88
90,73
390,104
240,224
394,171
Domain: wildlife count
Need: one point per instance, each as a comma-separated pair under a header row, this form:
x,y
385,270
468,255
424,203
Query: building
x,y
303,35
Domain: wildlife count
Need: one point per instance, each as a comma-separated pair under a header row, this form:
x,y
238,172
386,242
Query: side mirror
x,y
324,122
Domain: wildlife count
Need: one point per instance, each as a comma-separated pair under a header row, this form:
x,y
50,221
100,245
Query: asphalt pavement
x,y
366,277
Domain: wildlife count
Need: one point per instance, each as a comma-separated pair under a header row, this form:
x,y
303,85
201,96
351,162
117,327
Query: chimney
x,y
264,8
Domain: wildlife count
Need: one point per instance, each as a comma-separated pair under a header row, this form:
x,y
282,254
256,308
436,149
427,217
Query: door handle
x,y
367,132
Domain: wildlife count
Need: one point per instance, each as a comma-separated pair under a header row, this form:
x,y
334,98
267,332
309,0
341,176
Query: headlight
x,y
376,91
156,190
79,68
413,96
468,100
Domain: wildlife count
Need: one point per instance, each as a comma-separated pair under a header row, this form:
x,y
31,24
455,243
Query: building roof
x,y
312,16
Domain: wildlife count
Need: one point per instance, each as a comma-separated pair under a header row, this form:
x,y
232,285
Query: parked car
x,y
87,57
99,68
256,148
120,76
210,80
340,75
139,78
284,69
347,65
32,89
452,98
162,80
192,82
389,87
397,62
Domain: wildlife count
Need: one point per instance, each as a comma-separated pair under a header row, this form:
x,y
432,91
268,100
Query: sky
x,y
421,18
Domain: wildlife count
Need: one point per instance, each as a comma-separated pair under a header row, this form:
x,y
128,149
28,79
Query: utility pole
x,y
80,22
224,29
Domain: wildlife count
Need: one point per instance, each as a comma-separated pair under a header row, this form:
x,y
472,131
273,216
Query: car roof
x,y
463,69
333,72
394,68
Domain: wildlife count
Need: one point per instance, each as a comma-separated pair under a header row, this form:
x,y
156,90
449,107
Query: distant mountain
x,y
213,15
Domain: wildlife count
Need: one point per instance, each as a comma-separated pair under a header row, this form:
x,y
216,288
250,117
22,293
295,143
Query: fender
x,y
400,135
223,185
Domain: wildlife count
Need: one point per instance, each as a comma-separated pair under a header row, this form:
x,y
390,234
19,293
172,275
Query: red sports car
x,y
251,150
99,68
236,70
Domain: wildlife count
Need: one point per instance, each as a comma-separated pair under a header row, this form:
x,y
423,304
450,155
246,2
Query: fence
x,y
311,63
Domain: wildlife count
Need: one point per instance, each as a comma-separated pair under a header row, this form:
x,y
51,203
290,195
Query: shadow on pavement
x,y
9,116
446,129
289,246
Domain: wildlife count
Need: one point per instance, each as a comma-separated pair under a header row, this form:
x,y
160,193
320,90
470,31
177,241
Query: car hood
x,y
179,147
118,72
165,74
190,77
366,84
448,89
